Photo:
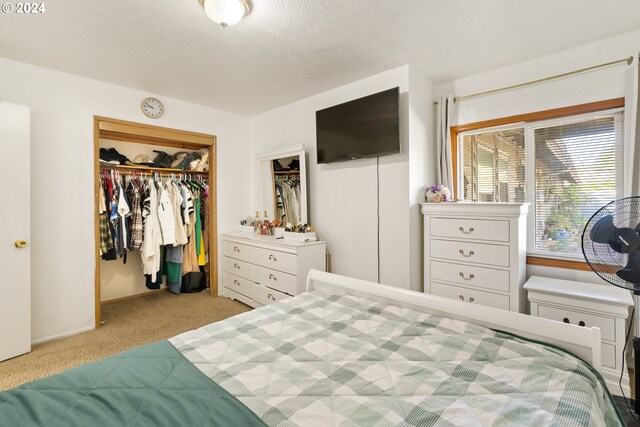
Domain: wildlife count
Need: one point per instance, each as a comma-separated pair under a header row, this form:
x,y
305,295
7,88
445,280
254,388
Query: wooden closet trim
x,y
126,131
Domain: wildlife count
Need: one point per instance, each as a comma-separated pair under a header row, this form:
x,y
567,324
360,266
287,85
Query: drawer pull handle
x,y
235,265
461,297
272,277
236,282
471,276
271,297
471,299
581,323
466,255
566,320
466,232
235,249
271,257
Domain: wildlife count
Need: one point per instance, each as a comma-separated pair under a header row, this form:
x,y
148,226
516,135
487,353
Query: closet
x,y
116,279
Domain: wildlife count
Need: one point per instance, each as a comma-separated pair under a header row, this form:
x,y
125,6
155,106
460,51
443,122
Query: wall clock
x,y
152,108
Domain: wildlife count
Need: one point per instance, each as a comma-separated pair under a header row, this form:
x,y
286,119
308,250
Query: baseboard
x,y
612,378
62,335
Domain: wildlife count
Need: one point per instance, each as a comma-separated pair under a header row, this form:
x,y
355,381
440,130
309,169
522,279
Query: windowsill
x,y
572,264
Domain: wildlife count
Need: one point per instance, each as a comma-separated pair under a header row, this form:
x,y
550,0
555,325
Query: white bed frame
x,y
581,341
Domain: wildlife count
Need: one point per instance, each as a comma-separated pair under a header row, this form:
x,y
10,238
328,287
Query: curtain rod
x,y
628,60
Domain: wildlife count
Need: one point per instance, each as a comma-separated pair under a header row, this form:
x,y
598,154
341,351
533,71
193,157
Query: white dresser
x,y
587,304
259,270
476,252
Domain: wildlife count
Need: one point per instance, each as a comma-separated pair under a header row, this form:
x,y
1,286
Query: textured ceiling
x,y
285,50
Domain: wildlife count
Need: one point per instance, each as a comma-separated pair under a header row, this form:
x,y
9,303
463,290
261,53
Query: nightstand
x,y
587,304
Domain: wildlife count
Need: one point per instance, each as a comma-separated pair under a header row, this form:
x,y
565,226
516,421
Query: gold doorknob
x,y
20,244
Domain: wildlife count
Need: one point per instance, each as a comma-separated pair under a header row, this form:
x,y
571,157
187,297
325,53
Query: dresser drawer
x,y
274,279
477,229
280,261
239,268
239,297
607,325
237,251
481,253
266,296
470,275
239,285
473,296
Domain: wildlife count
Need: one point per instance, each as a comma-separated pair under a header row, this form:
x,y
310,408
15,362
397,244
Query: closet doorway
x,y
129,138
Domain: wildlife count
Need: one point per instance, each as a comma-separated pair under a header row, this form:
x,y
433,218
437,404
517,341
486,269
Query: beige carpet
x,y
127,324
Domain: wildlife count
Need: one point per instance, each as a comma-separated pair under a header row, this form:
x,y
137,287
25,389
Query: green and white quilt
x,y
318,360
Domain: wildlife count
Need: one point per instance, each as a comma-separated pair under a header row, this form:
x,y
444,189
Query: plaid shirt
x,y
136,230
106,241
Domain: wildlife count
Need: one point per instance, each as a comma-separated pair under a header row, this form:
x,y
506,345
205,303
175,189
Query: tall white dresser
x,y
476,252
259,270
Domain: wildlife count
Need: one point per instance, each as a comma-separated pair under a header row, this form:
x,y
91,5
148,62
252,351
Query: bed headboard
x,y
581,341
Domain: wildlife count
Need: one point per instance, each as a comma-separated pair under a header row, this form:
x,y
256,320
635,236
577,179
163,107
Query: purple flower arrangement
x,y
437,194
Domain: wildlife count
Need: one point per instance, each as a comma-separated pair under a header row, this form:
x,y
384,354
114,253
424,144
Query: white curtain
x,y
631,153
444,121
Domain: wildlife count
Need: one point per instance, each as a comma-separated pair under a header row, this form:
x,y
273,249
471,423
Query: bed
x,y
346,353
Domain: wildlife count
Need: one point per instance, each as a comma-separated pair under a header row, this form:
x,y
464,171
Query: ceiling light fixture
x,y
226,12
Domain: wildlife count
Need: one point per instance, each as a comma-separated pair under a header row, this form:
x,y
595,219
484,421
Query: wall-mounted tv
x,y
364,127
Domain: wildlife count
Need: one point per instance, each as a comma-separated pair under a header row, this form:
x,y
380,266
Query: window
x,y
566,168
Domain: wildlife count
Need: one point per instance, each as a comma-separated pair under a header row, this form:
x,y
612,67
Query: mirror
x,y
283,185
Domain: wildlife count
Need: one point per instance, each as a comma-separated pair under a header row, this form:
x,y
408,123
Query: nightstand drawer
x,y
477,229
472,296
277,260
278,280
239,285
237,267
470,275
268,296
481,253
607,325
237,251
609,356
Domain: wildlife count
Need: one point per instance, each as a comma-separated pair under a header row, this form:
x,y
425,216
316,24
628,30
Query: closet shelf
x,y
286,172
148,169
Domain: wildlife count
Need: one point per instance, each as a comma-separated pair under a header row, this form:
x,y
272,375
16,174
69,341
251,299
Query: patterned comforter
x,y
318,360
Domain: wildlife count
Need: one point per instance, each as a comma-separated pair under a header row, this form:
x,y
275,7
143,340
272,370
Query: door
x,y
15,281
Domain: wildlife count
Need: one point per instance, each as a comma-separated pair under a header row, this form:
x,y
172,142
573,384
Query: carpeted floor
x,y
127,324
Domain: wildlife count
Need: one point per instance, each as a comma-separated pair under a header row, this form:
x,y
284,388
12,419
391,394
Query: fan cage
x,y
602,259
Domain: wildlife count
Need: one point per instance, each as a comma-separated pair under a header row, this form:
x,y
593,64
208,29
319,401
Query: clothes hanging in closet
x,y
162,219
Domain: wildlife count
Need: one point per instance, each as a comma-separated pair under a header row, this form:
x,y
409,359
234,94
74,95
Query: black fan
x,y
611,246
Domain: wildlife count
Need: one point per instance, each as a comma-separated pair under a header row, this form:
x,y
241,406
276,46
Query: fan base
x,y
636,376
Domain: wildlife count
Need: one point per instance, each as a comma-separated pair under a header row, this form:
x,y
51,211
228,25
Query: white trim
x,y
62,335
583,342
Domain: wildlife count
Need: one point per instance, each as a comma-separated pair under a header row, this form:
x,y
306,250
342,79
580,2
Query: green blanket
x,y
152,385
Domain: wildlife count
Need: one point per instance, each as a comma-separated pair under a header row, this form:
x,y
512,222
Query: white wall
x,y
62,247
597,85
342,196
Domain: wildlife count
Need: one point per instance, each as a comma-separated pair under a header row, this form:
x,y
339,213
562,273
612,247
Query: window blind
x,y
575,175
493,166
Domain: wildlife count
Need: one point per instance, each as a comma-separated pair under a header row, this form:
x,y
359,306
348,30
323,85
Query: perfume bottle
x,y
257,224
265,224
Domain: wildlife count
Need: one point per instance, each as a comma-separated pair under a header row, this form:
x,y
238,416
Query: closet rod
x,y
628,60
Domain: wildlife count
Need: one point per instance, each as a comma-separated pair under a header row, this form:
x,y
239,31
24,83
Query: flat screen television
x,y
364,127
